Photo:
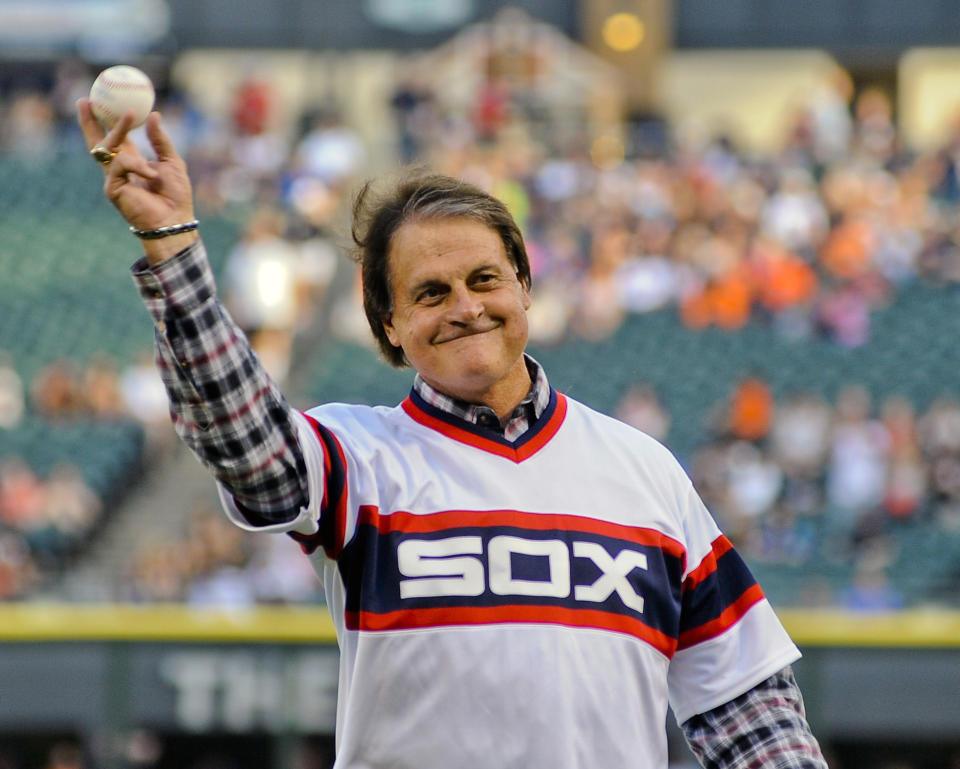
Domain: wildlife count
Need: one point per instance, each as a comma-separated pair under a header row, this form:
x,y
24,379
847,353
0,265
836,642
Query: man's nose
x,y
465,305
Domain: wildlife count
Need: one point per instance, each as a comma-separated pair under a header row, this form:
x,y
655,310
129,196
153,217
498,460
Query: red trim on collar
x,y
526,450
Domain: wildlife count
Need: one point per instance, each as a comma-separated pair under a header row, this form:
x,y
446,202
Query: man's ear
x,y
525,289
390,331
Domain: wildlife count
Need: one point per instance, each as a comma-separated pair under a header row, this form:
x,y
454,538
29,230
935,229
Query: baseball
x,y
118,89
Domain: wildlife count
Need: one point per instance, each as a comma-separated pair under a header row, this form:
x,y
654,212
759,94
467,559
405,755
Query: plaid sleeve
x,y
223,404
764,727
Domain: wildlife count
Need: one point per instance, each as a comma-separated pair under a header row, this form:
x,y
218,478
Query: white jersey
x,y
533,604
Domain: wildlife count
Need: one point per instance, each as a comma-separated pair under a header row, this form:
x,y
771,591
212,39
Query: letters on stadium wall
x,y
175,687
244,691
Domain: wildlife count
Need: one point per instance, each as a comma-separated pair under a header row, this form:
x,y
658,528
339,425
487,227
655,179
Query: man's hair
x,y
419,196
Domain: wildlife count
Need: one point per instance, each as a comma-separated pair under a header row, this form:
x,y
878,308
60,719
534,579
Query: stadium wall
x,y
100,672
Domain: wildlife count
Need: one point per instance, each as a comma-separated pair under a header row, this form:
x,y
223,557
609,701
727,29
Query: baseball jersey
x,y
534,603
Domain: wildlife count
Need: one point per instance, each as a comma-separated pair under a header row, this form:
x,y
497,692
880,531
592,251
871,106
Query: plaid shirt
x,y
521,418
234,418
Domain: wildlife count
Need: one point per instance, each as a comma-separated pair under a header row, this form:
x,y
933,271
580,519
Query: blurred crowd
x,y
213,563
810,240
801,478
798,477
42,521
46,518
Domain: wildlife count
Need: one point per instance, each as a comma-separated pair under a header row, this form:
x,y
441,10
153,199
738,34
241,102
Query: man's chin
x,y
467,381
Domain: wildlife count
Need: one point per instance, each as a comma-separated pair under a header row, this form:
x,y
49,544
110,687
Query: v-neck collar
x,y
464,431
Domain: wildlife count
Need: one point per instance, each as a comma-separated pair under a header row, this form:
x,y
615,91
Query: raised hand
x,y
149,194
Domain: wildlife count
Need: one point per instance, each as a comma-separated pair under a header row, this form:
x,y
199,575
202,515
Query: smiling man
x,y
516,579
459,311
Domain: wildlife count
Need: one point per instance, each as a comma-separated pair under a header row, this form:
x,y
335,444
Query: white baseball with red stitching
x,y
118,89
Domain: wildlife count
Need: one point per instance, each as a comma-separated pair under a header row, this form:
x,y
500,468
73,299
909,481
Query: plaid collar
x,y
524,415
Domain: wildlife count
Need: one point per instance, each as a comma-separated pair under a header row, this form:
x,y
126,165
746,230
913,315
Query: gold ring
x,y
102,155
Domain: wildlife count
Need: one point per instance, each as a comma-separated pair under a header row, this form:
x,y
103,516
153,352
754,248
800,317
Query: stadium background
x,y
743,219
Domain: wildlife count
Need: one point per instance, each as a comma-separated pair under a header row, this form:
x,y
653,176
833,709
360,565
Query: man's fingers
x,y
92,132
118,133
125,164
159,139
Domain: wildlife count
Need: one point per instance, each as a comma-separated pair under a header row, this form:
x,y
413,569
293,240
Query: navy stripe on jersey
x,y
404,571
716,594
332,525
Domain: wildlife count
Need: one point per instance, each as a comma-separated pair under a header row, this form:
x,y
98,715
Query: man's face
x,y
459,310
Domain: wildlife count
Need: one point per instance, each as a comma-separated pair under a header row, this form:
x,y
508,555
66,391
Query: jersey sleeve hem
x,y
717,670
307,520
774,665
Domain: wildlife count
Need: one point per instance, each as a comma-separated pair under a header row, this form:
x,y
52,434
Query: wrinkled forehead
x,y
447,244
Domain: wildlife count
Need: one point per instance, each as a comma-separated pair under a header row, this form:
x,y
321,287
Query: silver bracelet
x,y
162,232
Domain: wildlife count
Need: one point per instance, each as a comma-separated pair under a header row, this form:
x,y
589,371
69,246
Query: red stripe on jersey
x,y
411,523
461,435
543,436
341,508
709,563
731,615
492,615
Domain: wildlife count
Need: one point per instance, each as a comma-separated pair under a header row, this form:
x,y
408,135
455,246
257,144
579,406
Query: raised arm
x,y
223,404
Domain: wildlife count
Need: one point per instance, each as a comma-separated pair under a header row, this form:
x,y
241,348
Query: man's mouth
x,y
464,333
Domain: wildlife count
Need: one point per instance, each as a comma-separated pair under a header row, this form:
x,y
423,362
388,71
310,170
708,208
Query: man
x,y
516,580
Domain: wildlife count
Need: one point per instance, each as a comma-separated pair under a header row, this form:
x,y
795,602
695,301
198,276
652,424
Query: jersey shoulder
x,y
611,430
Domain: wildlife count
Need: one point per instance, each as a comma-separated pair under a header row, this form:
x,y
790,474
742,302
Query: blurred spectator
x,y
53,516
144,399
28,128
844,315
753,483
101,388
491,110
330,152
415,110
830,119
253,105
646,283
21,494
874,132
794,215
260,289
280,575
640,407
72,79
18,570
56,390
939,435
12,403
213,563
800,434
71,507
64,389
751,409
258,148
860,446
906,488
782,537
785,281
870,590
600,311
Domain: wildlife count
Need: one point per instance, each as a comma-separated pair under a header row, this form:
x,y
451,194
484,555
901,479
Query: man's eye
x,y
429,294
